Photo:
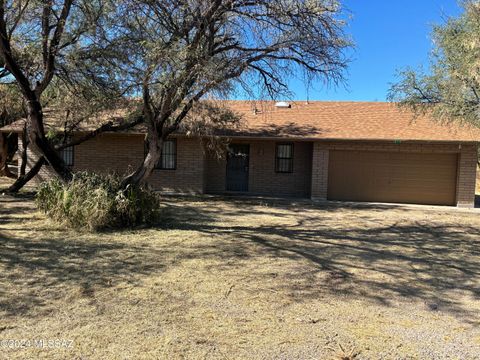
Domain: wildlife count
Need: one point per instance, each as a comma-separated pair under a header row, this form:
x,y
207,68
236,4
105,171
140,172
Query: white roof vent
x,y
283,105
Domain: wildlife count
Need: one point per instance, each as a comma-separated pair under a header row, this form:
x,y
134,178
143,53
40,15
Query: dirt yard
x,y
251,279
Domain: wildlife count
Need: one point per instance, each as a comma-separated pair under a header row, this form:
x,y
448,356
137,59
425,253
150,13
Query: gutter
x,y
288,138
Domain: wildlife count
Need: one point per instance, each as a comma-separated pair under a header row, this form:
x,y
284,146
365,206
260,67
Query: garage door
x,y
392,177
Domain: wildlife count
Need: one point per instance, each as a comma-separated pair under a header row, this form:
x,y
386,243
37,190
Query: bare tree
x,y
49,20
180,51
48,49
172,52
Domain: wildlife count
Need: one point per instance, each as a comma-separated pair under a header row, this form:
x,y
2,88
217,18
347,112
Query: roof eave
x,y
295,138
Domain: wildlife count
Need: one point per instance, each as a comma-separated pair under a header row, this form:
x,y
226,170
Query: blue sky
x,y
389,35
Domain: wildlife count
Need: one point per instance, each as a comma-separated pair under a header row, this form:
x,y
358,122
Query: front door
x,y
237,167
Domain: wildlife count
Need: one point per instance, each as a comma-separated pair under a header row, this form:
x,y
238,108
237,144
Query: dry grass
x,y
245,279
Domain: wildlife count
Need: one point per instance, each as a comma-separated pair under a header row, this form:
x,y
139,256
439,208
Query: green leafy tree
x,y
450,89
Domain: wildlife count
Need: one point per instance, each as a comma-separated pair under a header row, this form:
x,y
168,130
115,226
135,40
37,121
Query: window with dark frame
x,y
168,158
284,158
67,155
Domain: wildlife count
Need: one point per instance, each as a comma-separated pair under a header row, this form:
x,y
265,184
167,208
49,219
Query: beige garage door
x,y
392,177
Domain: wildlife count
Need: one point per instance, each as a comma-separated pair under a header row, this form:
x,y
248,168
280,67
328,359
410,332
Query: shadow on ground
x,y
41,262
377,253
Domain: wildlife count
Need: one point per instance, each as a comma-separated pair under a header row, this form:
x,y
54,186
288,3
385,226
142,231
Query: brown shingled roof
x,y
349,121
331,121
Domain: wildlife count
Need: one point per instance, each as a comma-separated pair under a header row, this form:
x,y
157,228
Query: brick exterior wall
x,y
467,163
106,153
188,177
263,180
122,153
319,172
200,173
467,175
45,172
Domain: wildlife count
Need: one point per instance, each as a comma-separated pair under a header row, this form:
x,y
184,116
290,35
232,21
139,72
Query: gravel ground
x,y
246,279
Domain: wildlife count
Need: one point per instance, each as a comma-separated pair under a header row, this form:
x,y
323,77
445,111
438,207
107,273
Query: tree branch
x,y
53,46
108,127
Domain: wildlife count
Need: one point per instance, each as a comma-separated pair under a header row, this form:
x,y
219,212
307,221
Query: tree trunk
x,y
38,140
23,164
146,168
22,180
7,173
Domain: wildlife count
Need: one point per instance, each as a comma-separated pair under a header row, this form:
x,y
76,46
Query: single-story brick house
x,y
354,151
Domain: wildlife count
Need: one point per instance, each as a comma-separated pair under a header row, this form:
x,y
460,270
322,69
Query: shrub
x,y
92,201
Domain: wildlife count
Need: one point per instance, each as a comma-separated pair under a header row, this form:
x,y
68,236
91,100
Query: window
x,y
284,158
67,155
168,159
